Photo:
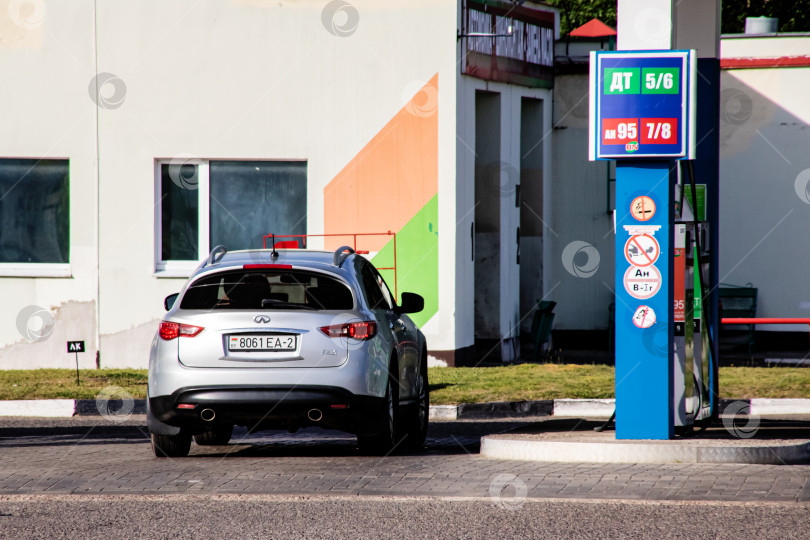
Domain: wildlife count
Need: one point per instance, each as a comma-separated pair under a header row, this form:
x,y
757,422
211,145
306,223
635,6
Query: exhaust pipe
x,y
315,415
208,414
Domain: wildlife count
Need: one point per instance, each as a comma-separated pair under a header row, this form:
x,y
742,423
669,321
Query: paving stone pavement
x,y
97,456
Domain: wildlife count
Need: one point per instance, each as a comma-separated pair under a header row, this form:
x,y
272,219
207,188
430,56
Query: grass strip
x,y
525,382
61,383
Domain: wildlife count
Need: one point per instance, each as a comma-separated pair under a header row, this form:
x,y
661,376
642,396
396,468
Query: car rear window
x,y
267,289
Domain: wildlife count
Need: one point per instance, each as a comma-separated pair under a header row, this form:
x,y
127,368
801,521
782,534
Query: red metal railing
x,y
354,236
765,320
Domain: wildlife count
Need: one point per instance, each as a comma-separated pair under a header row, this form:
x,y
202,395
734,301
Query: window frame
x,y
225,274
387,294
175,268
379,284
46,270
184,269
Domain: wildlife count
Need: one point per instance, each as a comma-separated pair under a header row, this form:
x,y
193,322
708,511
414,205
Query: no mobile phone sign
x,y
644,317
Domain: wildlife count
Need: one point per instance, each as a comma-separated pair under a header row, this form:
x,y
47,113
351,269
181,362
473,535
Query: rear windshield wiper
x,y
272,302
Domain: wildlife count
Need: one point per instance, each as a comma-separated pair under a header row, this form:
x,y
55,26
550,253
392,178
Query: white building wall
x,y
765,175
581,237
47,61
218,80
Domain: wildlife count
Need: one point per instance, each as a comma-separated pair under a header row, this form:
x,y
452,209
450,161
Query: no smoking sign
x,y
642,208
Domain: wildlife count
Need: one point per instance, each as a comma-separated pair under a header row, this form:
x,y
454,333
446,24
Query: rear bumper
x,y
269,407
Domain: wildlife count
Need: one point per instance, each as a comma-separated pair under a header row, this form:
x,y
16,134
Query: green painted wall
x,y
417,259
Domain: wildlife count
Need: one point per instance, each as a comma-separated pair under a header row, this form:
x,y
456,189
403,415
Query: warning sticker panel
x,y
642,250
642,283
644,317
642,208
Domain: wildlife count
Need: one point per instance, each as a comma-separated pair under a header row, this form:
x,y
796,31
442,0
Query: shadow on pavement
x,y
444,438
739,427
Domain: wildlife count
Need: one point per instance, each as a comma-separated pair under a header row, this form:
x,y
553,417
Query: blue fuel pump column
x,y
642,111
644,296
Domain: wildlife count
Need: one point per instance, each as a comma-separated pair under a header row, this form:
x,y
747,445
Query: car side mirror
x,y
168,302
411,303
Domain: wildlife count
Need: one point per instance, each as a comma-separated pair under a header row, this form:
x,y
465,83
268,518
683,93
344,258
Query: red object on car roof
x,y
593,29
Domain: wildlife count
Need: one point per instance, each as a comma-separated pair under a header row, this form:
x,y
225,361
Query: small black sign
x,y
75,346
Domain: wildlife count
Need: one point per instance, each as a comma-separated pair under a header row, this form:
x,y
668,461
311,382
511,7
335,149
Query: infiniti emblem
x,y
261,319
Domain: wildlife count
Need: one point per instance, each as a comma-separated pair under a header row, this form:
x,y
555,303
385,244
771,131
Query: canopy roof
x,y
593,29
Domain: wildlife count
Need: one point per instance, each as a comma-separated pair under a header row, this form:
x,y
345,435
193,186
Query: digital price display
x,y
642,105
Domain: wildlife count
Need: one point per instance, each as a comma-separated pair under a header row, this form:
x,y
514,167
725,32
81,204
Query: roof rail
x,y
341,255
216,255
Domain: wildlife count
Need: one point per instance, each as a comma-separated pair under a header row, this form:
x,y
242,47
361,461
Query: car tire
x,y
386,441
417,427
216,437
171,445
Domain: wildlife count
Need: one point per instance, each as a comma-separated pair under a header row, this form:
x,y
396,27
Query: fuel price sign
x,y
642,105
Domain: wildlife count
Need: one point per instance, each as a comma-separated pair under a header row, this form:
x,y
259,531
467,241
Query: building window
x,y
34,216
179,212
206,203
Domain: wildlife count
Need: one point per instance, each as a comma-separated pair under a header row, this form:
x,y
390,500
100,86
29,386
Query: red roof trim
x,y
593,28
761,63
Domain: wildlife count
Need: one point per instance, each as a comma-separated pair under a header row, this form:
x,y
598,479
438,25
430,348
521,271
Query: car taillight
x,y
171,330
357,330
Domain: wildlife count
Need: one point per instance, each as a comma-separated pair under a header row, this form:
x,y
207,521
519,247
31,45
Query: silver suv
x,y
283,339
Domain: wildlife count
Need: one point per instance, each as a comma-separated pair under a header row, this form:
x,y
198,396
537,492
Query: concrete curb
x,y
43,408
103,407
502,447
762,406
601,408
592,408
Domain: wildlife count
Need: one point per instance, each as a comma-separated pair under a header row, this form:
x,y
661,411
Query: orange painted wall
x,y
391,178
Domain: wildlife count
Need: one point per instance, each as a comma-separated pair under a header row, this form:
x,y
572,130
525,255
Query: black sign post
x,y
76,347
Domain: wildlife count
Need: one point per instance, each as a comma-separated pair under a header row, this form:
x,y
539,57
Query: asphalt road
x,y
260,516
92,478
